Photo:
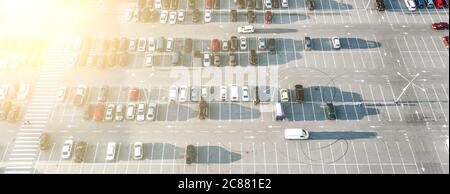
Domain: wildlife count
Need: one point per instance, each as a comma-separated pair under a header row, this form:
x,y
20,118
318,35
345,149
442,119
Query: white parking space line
x,y
356,159
439,158
444,64
353,99
367,157
397,107
95,157
387,110
401,157
49,158
150,164
439,101
345,156
414,158
264,154
162,159
365,108
117,158
390,159
378,156
345,108
332,158
321,157
429,103
128,158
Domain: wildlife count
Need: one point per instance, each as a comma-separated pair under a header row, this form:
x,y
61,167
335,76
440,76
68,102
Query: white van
x,y
411,5
279,112
223,93
111,151
296,134
234,96
173,94
131,109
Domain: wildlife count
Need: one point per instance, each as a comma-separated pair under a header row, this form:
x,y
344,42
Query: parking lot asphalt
x,y
380,53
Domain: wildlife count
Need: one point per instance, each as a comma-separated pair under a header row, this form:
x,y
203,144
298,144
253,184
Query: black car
x,y
191,154
251,17
380,5
250,4
192,4
272,46
240,4
308,43
310,4
216,4
276,3
188,45
196,16
233,15
330,111
253,59
234,43
299,93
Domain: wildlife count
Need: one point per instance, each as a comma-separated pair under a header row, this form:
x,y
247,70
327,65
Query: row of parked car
x,y
413,5
9,111
14,92
79,149
16,52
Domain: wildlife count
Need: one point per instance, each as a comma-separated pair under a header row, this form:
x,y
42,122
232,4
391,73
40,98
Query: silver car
x,y
119,112
110,112
194,94
151,112
140,115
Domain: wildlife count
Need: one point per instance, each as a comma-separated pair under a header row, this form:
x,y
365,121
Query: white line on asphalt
x,y
264,154
321,157
414,158
439,101
332,158
373,99
439,158
378,155
95,157
390,159
367,157
401,157
345,156
397,107
356,159
128,159
384,99
444,64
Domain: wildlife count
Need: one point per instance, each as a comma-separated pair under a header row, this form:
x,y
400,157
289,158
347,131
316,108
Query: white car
x,y
261,43
131,109
111,151
142,44
173,17
183,94
411,5
140,115
61,94
66,151
206,59
336,43
163,17
119,112
204,92
4,91
157,4
194,94
109,115
223,93
299,134
284,95
243,43
181,15
225,46
268,4
23,91
149,60
208,15
132,45
138,150
72,60
173,94
151,112
169,44
284,4
246,29
245,94
129,15
151,44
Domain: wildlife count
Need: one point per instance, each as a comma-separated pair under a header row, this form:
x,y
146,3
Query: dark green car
x,y
330,112
191,154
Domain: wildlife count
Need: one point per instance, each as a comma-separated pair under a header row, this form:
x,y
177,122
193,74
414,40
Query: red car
x,y
439,4
215,45
268,17
439,25
99,112
208,4
133,94
445,40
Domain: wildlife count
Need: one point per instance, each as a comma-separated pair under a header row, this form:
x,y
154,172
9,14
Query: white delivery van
x,y
279,112
296,134
234,96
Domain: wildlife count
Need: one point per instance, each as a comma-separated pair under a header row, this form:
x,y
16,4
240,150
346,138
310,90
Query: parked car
x,y
215,45
148,60
272,46
284,96
208,15
109,115
13,114
268,17
80,95
183,94
251,16
410,4
5,108
196,15
44,141
284,4
24,89
268,4
261,43
172,17
439,25
335,42
191,154
103,94
253,58
119,112
225,46
142,44
163,17
233,15
188,45
140,115
99,111
330,111
206,60
445,41
138,151
308,43
234,43
111,151
243,43
173,94
208,4
131,111
88,112
66,151
80,151
151,112
299,93
132,45
133,94
169,44
216,59
232,59
223,93
245,94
